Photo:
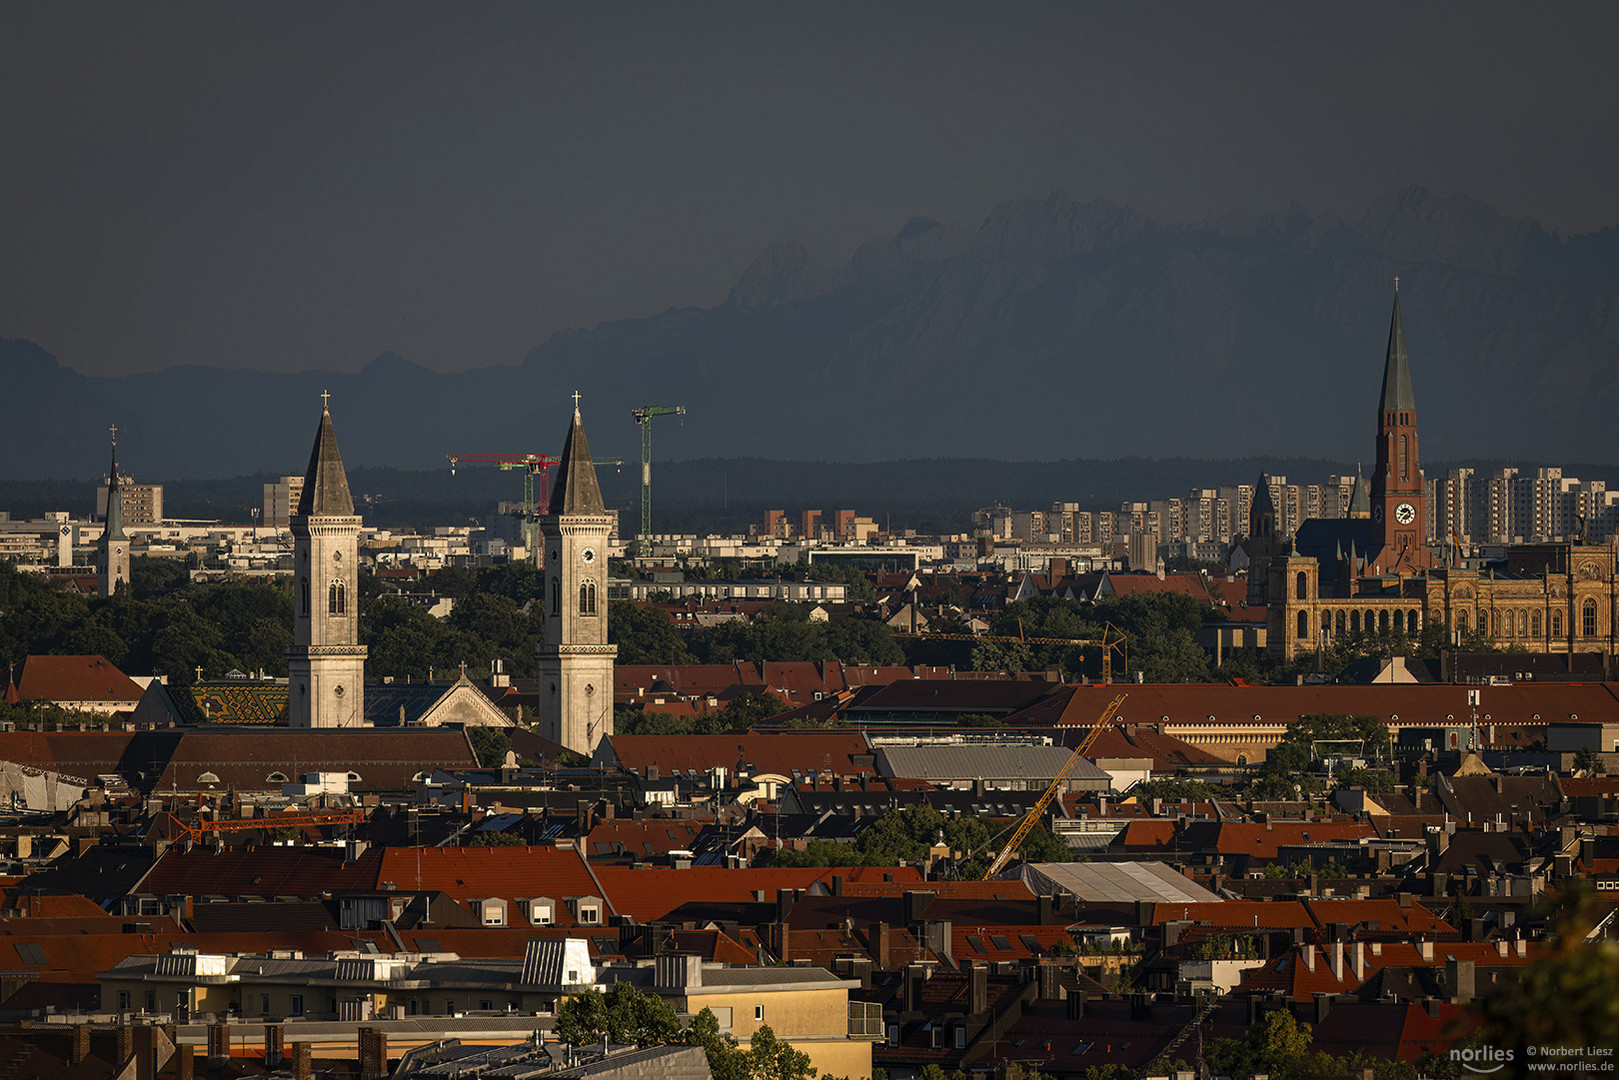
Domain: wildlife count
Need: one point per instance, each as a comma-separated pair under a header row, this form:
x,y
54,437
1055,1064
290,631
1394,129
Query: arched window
x,y
336,602
1339,622
1383,621
1411,622
303,589
587,597
1588,617
556,596
1301,587
1304,625
1461,621
1354,622
1402,458
1534,624
1557,624
1523,624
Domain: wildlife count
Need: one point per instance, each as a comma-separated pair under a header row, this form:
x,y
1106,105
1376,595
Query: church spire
x,y
115,496
1397,393
576,490
326,485
1360,502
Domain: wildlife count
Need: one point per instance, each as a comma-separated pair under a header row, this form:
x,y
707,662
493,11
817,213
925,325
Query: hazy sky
x,y
293,186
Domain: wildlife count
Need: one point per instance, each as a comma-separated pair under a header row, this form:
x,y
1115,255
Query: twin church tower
x,y
326,663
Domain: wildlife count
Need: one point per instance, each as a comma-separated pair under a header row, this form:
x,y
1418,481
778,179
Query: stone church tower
x,y
575,660
1263,543
1399,524
112,553
326,664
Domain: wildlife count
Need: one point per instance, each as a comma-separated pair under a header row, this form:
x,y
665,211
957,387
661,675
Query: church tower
x,y
575,660
326,664
1399,525
1263,543
112,553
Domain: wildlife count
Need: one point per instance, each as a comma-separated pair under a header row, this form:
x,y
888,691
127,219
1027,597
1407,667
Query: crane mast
x,y
643,417
1097,727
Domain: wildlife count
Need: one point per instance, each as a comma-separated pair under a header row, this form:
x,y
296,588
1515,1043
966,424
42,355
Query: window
x,y
1534,624
758,1012
1339,623
295,1005
276,778
151,1001
587,597
449,1006
123,1001
556,596
590,915
486,1006
1304,625
1588,618
1557,624
1383,621
1354,622
1523,624
1461,621
1410,622
1403,474
961,1036
303,591
893,1034
264,1004
335,600
1301,586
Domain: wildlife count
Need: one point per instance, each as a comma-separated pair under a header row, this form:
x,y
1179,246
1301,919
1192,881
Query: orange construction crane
x,y
1097,727
196,832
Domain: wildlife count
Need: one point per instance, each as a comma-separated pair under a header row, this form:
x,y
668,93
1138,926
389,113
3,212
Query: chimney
x,y
785,899
1425,950
81,1044
837,884
126,1042
218,1045
784,942
1076,1005
1323,1006
915,976
1460,980
185,1057
1047,907
373,1054
303,1066
978,989
1050,982
1309,958
882,950
1501,947
1360,961
1337,961
274,1045
1520,946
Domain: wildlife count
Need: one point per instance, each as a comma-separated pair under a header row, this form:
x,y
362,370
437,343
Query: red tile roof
x,y
262,871
1261,841
777,752
1290,973
510,873
76,678
650,893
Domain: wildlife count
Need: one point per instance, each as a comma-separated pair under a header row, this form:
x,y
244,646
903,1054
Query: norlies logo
x,y
1482,1059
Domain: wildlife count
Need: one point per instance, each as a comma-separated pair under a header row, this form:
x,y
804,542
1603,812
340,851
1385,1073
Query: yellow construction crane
x,y
1033,816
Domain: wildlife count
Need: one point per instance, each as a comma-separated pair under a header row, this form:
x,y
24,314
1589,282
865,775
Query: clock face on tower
x,y
1405,513
588,556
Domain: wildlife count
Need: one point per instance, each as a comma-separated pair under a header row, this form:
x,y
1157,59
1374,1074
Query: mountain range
x,y
1053,330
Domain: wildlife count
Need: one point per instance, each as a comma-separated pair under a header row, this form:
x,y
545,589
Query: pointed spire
x,y
1360,501
1397,393
326,485
576,490
115,496
1263,503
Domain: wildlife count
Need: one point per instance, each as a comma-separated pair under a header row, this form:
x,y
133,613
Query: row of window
x,y
336,597
587,597
1355,621
1500,624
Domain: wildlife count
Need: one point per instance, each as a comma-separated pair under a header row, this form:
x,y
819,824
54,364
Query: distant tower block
x,y
112,554
575,660
326,664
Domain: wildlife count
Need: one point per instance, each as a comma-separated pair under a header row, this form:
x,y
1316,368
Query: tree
x,y
489,745
623,1015
1588,759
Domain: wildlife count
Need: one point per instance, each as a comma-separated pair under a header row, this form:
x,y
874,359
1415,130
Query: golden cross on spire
x,y
114,430
576,401
325,400
1396,282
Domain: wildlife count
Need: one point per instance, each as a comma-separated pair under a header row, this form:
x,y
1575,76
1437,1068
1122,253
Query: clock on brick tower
x,y
1399,524
575,659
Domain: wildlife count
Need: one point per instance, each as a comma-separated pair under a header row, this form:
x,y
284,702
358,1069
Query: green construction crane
x,y
643,416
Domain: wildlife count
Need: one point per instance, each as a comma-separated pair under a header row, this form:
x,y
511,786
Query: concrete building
x,y
281,501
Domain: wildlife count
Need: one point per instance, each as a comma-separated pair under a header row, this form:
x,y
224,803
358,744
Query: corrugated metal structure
x,y
1018,768
1098,882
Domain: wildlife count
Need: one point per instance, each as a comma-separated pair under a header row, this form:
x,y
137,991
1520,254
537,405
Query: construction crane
x,y
1033,816
643,417
1112,638
533,465
196,832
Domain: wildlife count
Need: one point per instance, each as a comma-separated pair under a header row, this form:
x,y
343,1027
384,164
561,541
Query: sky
x,y
298,186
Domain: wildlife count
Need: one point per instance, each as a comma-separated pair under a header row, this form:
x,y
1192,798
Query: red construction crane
x,y
533,465
195,833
